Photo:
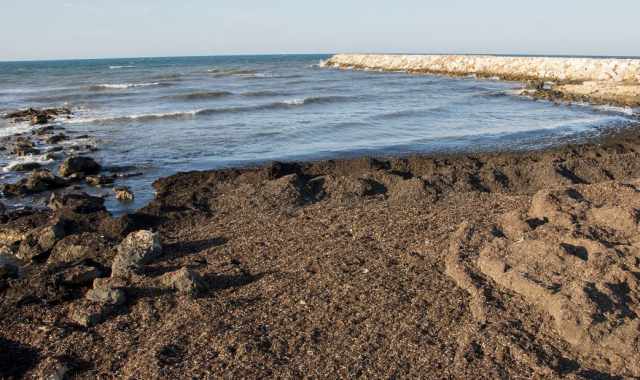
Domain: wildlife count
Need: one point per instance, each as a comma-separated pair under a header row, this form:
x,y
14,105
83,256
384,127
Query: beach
x,y
490,263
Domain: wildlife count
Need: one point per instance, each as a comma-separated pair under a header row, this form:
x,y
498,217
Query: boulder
x,y
137,249
75,248
40,242
79,165
184,281
43,180
80,203
106,294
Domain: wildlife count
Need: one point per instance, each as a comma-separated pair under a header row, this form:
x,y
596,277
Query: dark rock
x,y
9,267
32,114
44,130
43,180
25,167
3,208
124,194
56,138
80,203
40,242
277,170
40,118
79,165
137,249
78,247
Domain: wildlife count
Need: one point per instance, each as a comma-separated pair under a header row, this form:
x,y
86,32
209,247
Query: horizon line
x,y
33,60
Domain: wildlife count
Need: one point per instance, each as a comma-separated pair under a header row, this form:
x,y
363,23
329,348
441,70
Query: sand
x,y
502,265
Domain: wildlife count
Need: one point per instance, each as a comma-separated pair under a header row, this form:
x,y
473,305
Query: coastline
x,y
289,264
371,266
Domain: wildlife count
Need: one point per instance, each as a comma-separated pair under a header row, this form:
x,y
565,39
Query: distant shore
x,y
593,80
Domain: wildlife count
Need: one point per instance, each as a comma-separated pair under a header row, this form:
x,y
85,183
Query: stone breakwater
x,y
598,80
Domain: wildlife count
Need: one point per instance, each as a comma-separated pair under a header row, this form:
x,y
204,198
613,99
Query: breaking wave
x,y
210,111
124,86
121,67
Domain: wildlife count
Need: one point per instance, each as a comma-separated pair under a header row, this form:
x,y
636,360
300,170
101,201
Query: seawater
x,y
166,115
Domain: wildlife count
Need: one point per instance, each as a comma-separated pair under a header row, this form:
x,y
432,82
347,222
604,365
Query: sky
x,y
62,29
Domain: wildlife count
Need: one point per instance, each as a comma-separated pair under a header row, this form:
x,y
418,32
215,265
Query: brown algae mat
x,y
505,265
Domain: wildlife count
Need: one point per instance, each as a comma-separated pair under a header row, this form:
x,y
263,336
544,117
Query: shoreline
x,y
320,252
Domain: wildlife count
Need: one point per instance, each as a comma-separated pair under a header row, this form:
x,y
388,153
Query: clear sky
x,y
42,29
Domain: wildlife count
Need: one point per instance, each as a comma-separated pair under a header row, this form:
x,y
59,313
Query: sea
x,y
167,115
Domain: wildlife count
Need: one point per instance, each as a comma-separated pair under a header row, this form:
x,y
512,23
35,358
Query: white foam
x,y
624,110
122,86
13,129
295,102
121,67
39,159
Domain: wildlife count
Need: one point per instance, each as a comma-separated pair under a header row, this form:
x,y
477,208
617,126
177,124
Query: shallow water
x,y
165,115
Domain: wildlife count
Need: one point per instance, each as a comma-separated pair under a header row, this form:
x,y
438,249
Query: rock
x,y
184,281
25,167
3,208
88,314
43,131
124,194
40,118
43,180
106,294
80,275
40,242
98,180
9,267
29,248
56,138
49,236
24,147
79,165
75,248
137,249
80,203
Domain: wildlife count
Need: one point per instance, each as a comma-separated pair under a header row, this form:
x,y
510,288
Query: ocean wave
x,y
318,100
124,86
229,72
208,111
202,95
121,67
265,93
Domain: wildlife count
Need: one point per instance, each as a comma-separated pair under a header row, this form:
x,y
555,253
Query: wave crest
x,y
124,86
202,95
